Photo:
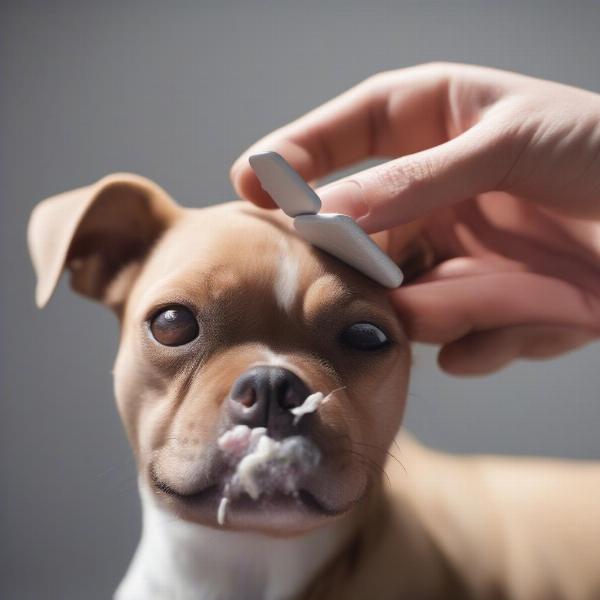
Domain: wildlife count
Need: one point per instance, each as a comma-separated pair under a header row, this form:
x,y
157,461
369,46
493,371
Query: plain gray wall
x,y
175,90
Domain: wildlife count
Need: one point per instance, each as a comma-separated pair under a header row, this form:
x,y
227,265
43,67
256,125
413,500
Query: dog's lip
x,y
213,494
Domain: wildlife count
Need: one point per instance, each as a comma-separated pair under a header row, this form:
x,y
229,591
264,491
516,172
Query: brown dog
x,y
229,319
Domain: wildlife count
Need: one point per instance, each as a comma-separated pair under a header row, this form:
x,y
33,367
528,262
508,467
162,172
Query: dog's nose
x,y
263,397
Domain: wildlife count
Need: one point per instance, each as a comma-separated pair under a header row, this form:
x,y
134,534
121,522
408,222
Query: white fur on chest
x,y
177,560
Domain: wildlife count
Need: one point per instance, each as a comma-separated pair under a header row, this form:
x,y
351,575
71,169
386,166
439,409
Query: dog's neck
x,y
178,559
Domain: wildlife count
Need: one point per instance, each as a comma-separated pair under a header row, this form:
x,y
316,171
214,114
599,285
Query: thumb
x,y
409,187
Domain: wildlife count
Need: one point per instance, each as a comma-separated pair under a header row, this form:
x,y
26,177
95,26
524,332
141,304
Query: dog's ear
x,y
101,233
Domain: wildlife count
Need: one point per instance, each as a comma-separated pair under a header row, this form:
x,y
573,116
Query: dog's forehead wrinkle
x,y
250,260
329,283
223,218
237,231
326,290
242,250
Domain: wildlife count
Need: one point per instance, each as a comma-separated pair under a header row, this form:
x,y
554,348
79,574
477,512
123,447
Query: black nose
x,y
263,397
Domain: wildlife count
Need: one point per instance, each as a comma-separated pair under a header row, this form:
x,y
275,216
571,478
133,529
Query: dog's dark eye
x,y
365,336
174,326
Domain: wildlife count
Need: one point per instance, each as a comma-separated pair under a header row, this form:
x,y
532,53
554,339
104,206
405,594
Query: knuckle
x,y
437,68
435,65
406,176
382,80
378,80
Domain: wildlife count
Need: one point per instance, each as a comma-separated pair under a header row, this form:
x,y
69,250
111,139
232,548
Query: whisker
x,y
372,466
386,452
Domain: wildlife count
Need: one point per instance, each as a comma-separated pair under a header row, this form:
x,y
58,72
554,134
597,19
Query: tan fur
x,y
444,527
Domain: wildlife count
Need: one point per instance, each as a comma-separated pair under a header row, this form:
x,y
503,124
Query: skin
x,y
500,172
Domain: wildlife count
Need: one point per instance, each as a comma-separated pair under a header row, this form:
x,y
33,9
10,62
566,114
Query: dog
x,y
229,322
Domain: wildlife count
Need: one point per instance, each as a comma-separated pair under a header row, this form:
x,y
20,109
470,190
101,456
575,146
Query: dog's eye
x,y
365,336
174,326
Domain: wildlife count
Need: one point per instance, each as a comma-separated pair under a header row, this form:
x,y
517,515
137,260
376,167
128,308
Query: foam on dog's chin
x,y
264,466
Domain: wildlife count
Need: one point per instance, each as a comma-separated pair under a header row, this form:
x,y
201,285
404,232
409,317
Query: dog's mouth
x,y
257,482
302,500
277,512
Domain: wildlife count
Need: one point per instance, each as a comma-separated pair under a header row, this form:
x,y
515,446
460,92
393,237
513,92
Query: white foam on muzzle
x,y
264,466
311,404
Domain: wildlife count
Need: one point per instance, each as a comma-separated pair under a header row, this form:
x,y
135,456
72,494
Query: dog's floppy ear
x,y
98,232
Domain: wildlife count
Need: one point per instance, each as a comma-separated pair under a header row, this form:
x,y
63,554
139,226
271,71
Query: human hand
x,y
502,173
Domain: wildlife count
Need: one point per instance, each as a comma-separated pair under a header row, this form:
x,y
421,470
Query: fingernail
x,y
345,197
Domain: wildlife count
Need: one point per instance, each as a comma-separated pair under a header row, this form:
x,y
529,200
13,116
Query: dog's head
x,y
228,318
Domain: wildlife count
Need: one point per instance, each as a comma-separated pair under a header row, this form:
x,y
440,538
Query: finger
x,y
469,266
441,312
386,115
412,186
488,351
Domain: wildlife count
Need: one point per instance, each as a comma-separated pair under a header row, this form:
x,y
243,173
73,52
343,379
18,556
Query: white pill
x,y
341,236
291,193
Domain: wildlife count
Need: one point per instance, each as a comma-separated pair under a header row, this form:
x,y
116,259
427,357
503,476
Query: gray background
x,y
175,91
